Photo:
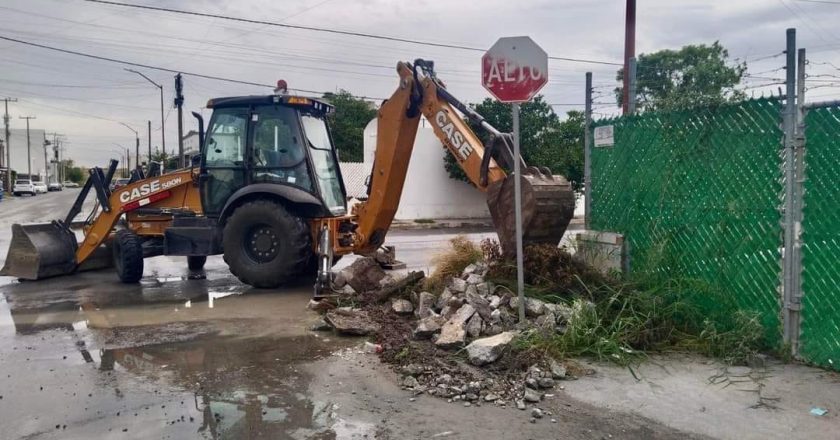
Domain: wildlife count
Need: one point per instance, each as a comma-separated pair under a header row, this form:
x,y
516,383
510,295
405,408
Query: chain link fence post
x,y
587,154
790,309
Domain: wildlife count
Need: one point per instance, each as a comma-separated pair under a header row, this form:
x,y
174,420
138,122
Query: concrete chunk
x,y
453,333
486,350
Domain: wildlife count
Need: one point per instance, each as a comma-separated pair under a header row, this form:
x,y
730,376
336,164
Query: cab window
x,y
279,154
226,138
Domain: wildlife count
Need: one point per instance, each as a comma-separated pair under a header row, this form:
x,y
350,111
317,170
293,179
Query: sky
x,y
88,101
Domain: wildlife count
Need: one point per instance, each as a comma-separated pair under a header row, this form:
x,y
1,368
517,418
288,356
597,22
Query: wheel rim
x,y
261,243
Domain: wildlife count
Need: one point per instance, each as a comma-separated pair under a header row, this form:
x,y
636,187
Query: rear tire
x,y
196,262
264,245
128,256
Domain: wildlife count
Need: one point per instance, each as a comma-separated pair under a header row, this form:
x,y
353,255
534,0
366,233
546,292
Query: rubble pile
x,y
456,345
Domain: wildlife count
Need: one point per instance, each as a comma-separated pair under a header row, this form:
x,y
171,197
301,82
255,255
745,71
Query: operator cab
x,y
277,140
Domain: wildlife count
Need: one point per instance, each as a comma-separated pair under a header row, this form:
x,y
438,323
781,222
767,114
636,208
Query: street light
x,y
136,146
162,128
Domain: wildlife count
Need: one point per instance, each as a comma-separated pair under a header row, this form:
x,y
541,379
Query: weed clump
x,y
461,253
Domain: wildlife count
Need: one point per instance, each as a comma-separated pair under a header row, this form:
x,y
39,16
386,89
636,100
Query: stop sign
x,y
514,69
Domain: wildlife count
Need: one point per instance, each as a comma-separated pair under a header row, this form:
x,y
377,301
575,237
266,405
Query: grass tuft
x,y
461,253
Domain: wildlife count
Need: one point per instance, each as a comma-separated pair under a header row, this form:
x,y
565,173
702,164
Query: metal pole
x,y
8,146
631,84
149,163
179,102
517,188
629,49
789,123
136,150
28,147
162,126
798,199
47,161
587,154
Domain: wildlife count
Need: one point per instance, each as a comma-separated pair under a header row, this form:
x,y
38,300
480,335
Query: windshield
x,y
324,163
22,182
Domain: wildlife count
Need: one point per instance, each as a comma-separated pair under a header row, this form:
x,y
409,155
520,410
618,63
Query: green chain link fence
x,y
697,194
820,326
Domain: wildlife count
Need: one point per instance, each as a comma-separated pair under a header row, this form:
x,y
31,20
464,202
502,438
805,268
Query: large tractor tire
x,y
196,262
264,245
128,256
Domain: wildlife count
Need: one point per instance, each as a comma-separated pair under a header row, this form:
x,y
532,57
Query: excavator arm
x,y
548,201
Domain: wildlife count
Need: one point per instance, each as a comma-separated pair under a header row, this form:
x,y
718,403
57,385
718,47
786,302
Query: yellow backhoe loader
x,y
266,192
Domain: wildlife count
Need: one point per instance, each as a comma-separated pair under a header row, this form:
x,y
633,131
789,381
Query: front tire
x,y
128,256
264,245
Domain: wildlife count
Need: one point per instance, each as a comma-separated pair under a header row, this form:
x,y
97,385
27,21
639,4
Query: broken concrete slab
x,y
457,285
425,303
364,274
558,370
351,322
474,326
474,279
532,396
486,350
453,333
428,326
480,304
402,306
443,299
533,306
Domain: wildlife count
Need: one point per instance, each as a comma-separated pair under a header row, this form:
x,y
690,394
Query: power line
x,y
145,66
825,2
333,31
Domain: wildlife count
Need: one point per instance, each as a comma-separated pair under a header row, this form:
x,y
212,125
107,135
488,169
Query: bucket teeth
x,y
40,251
548,205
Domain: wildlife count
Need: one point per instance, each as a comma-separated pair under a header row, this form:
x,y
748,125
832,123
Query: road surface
x,y
85,356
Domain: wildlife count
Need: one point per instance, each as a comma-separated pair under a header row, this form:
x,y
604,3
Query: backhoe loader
x,y
266,192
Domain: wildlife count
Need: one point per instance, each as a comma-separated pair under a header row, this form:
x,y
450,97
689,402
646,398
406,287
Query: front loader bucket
x,y
548,205
40,251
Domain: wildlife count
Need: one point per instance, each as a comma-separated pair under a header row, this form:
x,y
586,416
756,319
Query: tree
x,y
696,75
170,160
72,173
544,139
347,124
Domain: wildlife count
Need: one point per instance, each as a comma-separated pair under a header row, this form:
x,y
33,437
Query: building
x,y
18,151
429,192
191,146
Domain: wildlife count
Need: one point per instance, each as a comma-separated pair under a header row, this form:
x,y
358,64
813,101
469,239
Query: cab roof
x,y
253,100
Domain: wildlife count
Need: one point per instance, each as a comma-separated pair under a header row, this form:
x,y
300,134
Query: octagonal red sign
x,y
514,69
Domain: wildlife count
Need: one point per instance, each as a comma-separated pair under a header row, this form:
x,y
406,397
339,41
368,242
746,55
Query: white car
x,y
69,184
54,186
24,186
41,187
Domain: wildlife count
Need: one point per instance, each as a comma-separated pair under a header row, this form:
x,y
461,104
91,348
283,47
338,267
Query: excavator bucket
x,y
548,205
40,251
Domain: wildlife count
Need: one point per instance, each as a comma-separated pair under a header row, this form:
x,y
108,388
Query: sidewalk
x,y
464,223
704,396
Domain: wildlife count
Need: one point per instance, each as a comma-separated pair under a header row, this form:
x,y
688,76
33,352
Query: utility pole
x,y
629,50
179,102
136,146
8,145
790,307
149,162
28,147
631,85
55,142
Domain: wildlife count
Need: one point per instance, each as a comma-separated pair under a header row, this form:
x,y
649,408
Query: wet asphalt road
x,y
88,357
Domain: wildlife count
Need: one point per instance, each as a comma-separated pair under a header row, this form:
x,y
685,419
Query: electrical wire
x,y
333,31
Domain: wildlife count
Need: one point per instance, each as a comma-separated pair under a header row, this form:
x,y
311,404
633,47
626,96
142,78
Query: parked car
x,y
24,186
69,184
54,186
119,183
41,187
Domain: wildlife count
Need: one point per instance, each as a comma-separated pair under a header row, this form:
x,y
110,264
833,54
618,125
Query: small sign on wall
x,y
604,136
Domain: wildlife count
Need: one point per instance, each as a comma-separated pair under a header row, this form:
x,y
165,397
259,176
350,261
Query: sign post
x,y
513,71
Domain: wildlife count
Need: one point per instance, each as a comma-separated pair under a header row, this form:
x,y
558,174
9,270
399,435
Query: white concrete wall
x,y
429,192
